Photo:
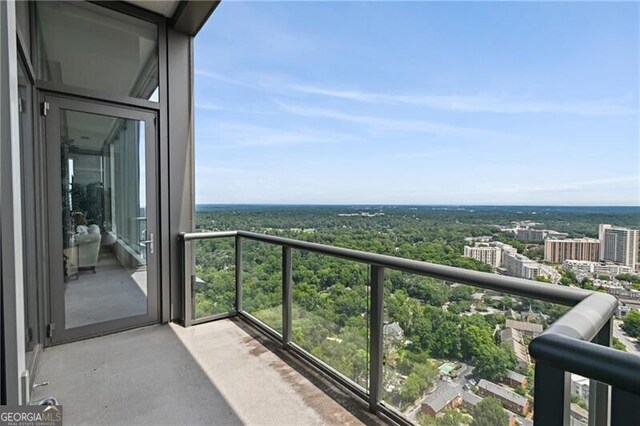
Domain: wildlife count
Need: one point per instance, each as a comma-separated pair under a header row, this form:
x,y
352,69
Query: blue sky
x,y
419,103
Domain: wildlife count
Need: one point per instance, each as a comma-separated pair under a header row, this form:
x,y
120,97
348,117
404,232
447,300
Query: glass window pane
x,y
104,217
88,46
22,21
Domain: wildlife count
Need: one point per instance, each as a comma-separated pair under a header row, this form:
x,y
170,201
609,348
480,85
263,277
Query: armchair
x,y
88,246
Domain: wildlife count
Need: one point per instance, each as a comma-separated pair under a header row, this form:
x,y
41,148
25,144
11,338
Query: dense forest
x,y
438,321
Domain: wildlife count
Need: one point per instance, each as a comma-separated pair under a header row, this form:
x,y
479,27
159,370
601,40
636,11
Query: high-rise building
x,y
529,235
507,250
557,251
619,245
510,262
485,254
520,266
596,267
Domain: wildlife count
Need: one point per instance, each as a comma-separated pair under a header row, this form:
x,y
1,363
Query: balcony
x,y
234,363
579,342
223,372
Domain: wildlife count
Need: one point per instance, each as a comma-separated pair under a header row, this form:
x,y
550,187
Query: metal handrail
x,y
516,286
589,319
586,319
191,236
597,362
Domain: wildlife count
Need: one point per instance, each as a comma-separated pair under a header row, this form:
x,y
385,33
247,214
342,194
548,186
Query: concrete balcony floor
x,y
219,373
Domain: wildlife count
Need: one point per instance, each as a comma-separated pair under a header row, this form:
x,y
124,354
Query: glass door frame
x,y
56,329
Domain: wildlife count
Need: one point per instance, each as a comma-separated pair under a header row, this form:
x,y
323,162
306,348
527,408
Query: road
x,y
629,342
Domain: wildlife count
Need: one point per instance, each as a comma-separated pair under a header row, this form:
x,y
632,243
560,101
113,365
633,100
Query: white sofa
x,y
88,246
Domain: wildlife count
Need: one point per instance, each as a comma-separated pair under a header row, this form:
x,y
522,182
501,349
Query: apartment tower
x,y
557,251
619,245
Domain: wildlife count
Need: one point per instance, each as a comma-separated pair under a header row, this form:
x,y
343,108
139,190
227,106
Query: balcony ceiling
x,y
185,16
163,7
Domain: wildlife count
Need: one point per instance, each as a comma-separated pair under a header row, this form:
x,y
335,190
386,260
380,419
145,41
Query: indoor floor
x,y
112,292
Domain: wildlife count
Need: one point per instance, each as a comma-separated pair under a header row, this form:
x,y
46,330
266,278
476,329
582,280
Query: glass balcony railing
x,y
262,282
330,315
419,340
442,339
213,286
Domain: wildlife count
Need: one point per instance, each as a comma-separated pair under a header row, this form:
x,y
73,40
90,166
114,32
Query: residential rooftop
x,y
442,397
503,392
516,377
524,326
470,398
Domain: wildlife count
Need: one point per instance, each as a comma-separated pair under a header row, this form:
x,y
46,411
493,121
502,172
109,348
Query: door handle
x,y
149,243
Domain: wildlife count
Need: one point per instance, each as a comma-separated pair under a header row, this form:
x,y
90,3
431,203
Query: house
x,y
510,334
622,310
527,329
515,380
477,297
393,333
530,315
509,399
470,400
512,339
512,314
522,355
447,396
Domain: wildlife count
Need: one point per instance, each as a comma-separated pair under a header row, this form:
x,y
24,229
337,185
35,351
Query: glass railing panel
x,y
262,282
331,312
214,283
452,351
579,408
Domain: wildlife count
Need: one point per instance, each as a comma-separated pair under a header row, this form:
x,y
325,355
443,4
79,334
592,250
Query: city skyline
x,y
418,103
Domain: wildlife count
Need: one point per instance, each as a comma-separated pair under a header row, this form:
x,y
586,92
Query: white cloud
x,y
463,103
520,189
229,80
410,126
240,134
209,106
474,103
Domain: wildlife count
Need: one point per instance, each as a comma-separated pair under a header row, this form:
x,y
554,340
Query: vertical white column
x,y
11,208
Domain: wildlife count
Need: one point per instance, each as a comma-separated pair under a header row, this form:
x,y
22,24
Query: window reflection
x,y
104,217
88,46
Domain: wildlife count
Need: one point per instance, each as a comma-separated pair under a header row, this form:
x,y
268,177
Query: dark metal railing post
x,y
625,408
187,309
238,273
287,297
599,393
376,341
552,396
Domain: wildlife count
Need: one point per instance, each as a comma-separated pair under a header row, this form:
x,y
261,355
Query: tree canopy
x,y
489,412
631,323
440,321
